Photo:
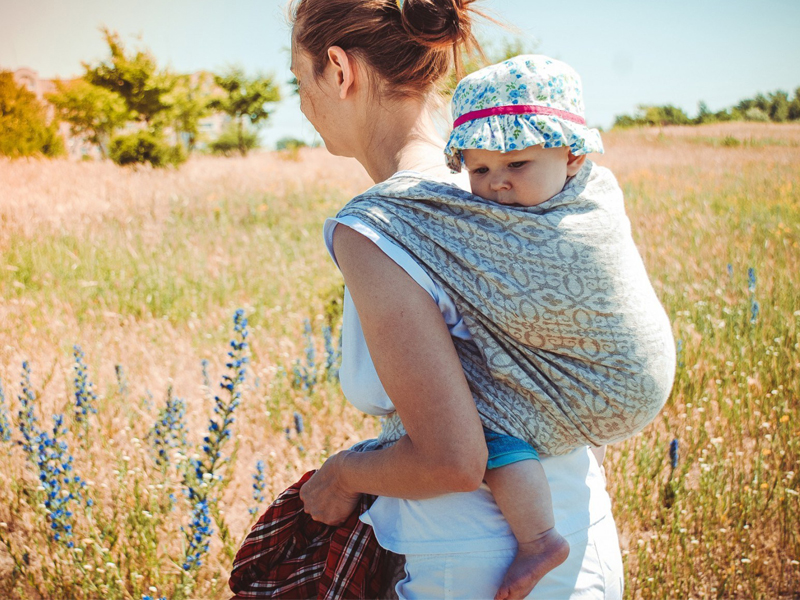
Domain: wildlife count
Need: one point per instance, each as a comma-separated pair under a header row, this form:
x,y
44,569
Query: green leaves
x,y
134,77
25,129
243,98
91,111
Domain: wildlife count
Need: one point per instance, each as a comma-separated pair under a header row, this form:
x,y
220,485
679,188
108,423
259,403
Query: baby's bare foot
x,y
534,560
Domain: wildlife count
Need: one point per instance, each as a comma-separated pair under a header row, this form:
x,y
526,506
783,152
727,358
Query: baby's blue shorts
x,y
505,449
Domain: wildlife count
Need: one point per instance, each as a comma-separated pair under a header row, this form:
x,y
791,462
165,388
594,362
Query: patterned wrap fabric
x,y
571,346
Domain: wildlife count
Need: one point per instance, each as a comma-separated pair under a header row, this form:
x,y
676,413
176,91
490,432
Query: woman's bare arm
x,y
417,363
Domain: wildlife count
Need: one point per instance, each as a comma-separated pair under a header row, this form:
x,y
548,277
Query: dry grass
x,y
50,196
144,268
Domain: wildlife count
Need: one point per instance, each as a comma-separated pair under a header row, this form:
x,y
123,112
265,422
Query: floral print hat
x,y
528,100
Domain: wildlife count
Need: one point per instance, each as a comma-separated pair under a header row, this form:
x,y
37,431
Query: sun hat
x,y
528,100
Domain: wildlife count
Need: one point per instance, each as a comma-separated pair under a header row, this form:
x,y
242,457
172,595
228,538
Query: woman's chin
x,y
334,149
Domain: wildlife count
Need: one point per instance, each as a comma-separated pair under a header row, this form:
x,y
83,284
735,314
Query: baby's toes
x,y
503,593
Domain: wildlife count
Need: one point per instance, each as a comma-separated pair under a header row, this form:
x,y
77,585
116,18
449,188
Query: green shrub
x,y
229,141
289,143
756,114
730,142
25,129
145,147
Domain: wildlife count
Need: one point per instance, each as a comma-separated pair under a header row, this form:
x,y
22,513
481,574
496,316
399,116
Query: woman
x,y
367,72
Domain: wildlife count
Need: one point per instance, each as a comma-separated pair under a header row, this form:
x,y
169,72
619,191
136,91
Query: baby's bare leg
x,y
521,491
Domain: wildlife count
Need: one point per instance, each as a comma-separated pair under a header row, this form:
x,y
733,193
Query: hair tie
x,y
400,4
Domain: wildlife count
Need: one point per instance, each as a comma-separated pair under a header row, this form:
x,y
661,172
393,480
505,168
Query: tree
x,y
91,111
147,94
778,106
794,106
703,114
245,98
654,116
188,104
233,138
135,78
25,129
624,121
289,143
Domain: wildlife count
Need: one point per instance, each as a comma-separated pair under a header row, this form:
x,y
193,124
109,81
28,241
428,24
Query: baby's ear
x,y
574,163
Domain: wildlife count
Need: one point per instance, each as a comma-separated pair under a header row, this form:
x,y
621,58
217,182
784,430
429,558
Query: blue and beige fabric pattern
x,y
571,346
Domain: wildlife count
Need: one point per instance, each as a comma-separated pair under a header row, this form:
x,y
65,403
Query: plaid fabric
x,y
289,555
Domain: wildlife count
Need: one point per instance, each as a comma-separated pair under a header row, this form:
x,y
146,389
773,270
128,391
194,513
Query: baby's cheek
x,y
474,186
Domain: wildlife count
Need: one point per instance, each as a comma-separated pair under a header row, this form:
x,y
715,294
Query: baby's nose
x,y
500,183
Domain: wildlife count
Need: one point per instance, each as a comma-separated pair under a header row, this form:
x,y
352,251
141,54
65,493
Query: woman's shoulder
x,y
406,189
404,260
383,243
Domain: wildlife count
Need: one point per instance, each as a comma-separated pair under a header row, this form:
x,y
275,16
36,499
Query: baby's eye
x,y
480,170
517,164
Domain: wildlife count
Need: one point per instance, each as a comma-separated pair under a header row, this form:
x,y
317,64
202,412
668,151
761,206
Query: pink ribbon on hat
x,y
519,109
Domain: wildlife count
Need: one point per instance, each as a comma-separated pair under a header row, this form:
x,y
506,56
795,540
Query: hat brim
x,y
505,133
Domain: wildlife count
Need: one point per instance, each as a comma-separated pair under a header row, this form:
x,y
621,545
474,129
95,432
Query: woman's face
x,y
319,101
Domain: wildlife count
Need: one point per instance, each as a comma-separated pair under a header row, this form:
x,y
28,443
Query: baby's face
x,y
524,177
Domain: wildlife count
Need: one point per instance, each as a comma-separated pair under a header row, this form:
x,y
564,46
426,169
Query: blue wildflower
x,y
61,487
169,430
751,286
298,423
122,380
198,536
730,270
219,428
5,423
333,357
259,483
206,378
754,310
199,479
305,375
85,398
673,453
679,353
27,422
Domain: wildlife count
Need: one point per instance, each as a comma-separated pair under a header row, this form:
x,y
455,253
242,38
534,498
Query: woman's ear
x,y
574,163
344,67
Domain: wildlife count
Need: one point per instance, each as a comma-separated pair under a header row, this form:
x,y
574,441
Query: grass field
x,y
144,270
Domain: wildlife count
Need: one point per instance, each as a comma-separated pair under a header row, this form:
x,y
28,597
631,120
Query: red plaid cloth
x,y
289,555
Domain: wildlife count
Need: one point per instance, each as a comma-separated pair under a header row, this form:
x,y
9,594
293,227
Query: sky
x,y
628,52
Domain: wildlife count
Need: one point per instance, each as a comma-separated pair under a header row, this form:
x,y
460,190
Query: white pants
x,y
593,571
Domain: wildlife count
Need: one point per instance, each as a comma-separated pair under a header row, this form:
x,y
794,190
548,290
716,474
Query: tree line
x,y
132,111
775,107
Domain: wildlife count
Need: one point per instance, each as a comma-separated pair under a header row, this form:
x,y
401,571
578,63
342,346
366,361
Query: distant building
x,y
30,79
78,148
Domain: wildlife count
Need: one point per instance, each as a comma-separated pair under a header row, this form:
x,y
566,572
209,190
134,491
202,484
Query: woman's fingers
x,y
323,496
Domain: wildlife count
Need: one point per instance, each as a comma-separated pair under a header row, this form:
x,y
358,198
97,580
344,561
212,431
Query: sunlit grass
x,y
144,269
726,522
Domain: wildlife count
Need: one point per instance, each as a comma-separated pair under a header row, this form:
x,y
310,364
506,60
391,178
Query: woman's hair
x,y
410,44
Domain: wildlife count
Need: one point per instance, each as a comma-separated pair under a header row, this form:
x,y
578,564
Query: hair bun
x,y
436,23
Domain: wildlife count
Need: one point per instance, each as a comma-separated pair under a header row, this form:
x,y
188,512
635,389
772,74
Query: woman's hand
x,y
324,497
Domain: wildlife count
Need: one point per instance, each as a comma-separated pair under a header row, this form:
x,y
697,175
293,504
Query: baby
x,y
520,132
